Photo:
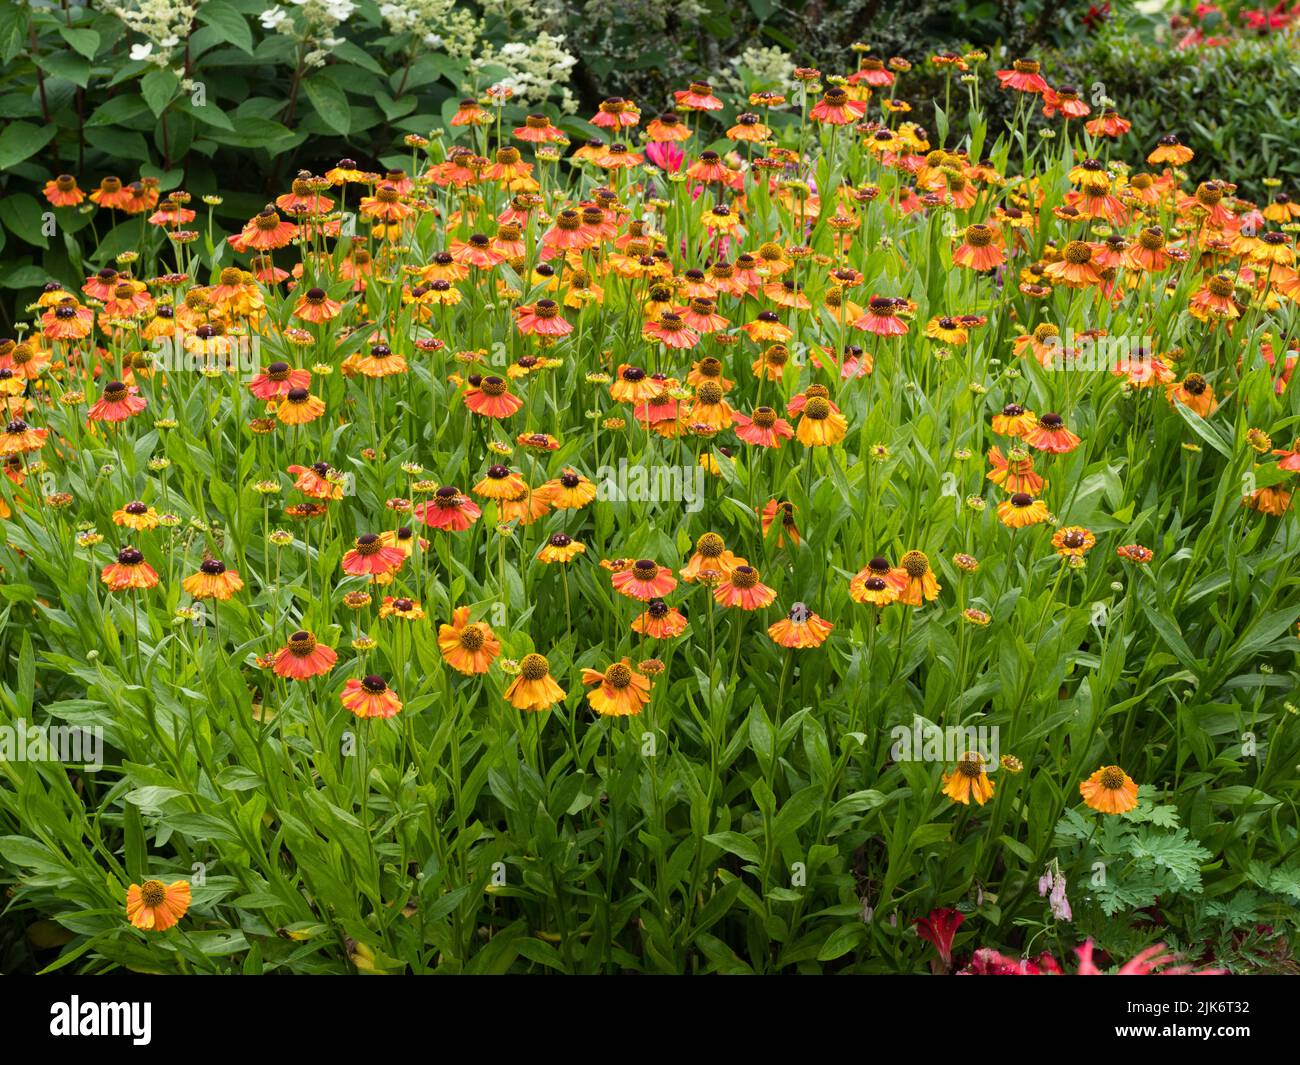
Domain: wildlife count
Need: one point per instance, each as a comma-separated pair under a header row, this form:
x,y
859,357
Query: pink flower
x,y
666,155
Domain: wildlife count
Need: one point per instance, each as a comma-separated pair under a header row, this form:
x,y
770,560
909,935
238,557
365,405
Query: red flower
x,y
939,929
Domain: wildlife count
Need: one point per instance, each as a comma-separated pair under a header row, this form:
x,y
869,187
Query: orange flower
x,y
1050,434
1110,790
1022,510
533,689
62,191
317,481
492,399
980,250
468,647
303,658
542,318
155,906
1015,472
569,491
370,697
500,483
129,573
1075,268
213,581
116,404
645,579
621,691
1193,393
921,584
969,780
299,407
800,628
659,621
711,555
265,232
370,556
820,425
742,588
560,547
448,510
764,429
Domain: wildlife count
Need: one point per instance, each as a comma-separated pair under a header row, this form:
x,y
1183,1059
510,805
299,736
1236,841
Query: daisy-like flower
x,y
711,556
448,510
1169,150
1075,268
492,398
130,572
560,547
968,780
765,428
542,318
500,482
1014,472
620,691
370,697
1014,420
62,191
1050,434
401,607
1073,540
569,491
645,579
277,380
213,581
1135,553
19,437
659,621
117,403
1194,393
921,586
820,424
979,249
318,480
1110,790
882,317
800,628
1023,76
469,647
742,588
299,407
303,657
154,906
1022,510
369,556
534,689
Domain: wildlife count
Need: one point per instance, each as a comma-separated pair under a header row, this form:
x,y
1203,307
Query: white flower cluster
x,y
440,24
537,69
163,24
757,69
312,24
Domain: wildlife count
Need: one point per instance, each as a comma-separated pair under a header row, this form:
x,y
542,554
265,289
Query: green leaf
x,y
82,40
229,22
21,215
13,30
735,843
158,88
842,940
330,102
22,140
67,65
